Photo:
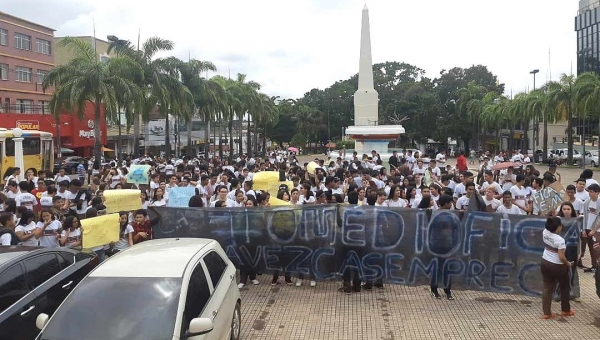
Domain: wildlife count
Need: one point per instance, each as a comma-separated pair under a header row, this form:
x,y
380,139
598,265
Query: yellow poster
x,y
122,200
100,230
276,202
269,181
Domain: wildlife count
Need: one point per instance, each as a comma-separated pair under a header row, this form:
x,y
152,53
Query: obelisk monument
x,y
365,98
366,132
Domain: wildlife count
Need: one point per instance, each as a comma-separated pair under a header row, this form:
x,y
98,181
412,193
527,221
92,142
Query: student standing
x,y
555,269
444,203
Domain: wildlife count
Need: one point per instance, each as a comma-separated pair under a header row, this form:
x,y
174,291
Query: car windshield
x,y
103,308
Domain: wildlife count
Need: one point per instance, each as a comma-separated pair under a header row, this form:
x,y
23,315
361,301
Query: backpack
x,y
14,240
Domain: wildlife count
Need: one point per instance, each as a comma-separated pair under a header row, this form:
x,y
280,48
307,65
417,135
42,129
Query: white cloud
x,y
290,47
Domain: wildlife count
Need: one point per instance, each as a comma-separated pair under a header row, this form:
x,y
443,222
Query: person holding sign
x,y
71,235
555,269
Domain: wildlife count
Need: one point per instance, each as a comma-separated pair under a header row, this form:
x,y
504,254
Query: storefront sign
x,y
28,124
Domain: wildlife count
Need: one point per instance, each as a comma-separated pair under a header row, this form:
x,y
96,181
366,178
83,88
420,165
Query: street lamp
x,y
18,140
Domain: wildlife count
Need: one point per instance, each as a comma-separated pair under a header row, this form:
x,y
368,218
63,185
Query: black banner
x,y
473,250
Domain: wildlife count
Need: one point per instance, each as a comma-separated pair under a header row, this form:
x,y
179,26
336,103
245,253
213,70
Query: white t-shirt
x,y
384,204
228,203
5,239
589,182
463,203
74,236
46,201
123,242
27,200
494,203
554,242
10,194
49,238
400,203
459,190
303,200
584,195
84,203
114,180
159,203
417,170
577,204
497,188
592,213
169,169
513,210
28,229
440,158
60,178
519,194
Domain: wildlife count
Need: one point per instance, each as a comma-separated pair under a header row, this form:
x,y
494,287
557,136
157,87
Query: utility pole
x,y
536,122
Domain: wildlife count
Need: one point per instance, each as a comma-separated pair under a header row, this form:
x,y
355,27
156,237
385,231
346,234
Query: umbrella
x,y
293,149
330,145
105,149
505,165
67,151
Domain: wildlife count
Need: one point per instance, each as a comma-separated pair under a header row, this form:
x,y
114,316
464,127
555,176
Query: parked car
x,y
591,158
159,289
69,163
36,280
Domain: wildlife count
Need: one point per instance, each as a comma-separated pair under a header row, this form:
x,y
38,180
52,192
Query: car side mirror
x,y
41,321
199,326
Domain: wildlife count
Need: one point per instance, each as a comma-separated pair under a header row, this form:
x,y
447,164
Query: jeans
x,y
101,253
552,274
245,274
351,279
589,242
439,275
575,289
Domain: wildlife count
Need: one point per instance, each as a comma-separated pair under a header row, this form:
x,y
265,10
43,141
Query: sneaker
x,y
379,285
289,282
255,282
569,313
298,283
435,294
345,290
241,285
449,296
546,317
274,282
356,289
368,287
589,270
313,283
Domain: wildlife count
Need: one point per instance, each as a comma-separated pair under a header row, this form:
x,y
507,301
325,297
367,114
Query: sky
x,y
293,46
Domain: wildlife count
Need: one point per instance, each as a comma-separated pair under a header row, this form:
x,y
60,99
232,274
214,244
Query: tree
x,y
561,100
588,95
86,80
536,105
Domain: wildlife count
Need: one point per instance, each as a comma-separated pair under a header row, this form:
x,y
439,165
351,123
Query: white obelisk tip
x,y
365,8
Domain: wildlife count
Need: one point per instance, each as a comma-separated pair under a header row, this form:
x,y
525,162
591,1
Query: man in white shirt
x,y
520,194
61,176
410,160
590,222
440,158
580,192
576,202
507,206
463,201
13,190
419,169
223,197
507,179
490,201
489,182
24,198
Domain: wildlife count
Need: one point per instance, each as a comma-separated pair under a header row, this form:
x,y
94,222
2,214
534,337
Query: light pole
x,y
17,133
536,132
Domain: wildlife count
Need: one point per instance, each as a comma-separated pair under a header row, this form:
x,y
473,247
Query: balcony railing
x,y
24,108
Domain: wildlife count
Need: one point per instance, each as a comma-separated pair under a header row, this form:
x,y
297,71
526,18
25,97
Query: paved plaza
x,y
401,312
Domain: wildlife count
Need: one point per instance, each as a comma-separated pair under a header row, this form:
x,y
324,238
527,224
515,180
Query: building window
x,y
44,106
43,46
3,71
41,74
25,106
23,74
3,37
22,41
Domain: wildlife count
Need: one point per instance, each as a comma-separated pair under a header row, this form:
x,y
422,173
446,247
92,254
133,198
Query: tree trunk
x,y
119,143
264,150
136,134
241,136
545,141
189,138
249,139
167,137
569,135
220,136
231,113
207,138
525,144
58,140
97,136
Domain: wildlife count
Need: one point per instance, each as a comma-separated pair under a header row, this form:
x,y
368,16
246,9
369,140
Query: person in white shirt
x,y
395,197
380,202
7,230
507,206
555,268
13,190
440,158
489,182
575,202
520,194
419,169
587,174
580,192
25,230
507,178
48,229
490,201
61,176
71,236
463,201
24,198
222,197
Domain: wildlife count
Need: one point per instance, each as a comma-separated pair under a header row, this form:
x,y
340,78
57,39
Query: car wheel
x,y
236,322
593,164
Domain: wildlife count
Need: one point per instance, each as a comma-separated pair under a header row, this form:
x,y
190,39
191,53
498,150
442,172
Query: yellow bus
x,y
38,150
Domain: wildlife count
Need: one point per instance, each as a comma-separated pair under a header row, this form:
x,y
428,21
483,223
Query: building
x,y
588,42
63,55
26,56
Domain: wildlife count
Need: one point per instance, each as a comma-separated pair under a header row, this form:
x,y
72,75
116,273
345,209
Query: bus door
x,y
47,151
1,160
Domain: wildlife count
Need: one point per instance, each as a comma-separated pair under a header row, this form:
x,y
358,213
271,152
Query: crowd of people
x,y
45,209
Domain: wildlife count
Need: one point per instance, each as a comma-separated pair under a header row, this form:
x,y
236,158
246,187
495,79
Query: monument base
x,y
377,137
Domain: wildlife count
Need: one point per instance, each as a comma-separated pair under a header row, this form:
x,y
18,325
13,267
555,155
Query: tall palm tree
x,y
561,100
537,107
493,117
470,105
588,95
86,80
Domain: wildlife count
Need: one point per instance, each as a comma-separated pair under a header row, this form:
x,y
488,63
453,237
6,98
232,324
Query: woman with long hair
x,y
411,194
306,195
158,200
25,229
283,195
125,234
572,253
395,197
555,269
71,237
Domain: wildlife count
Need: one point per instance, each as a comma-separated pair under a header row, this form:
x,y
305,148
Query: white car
x,y
591,158
160,289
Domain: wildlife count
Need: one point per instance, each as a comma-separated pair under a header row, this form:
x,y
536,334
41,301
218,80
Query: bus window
x,y
1,159
47,150
31,146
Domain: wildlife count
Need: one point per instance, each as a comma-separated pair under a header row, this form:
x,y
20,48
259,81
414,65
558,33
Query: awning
x,y
105,149
65,150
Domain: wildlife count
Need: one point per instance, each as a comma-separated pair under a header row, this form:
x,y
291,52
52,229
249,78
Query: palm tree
x,y
588,95
268,116
470,105
536,105
561,100
493,117
86,80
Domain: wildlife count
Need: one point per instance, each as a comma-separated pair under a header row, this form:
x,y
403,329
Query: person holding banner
x,y
572,253
555,269
444,203
71,234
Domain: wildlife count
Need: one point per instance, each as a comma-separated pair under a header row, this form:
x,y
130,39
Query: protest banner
x,y
549,198
122,200
100,230
138,174
180,196
269,181
476,250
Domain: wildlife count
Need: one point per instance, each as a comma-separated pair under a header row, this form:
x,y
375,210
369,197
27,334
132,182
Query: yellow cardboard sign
x,y
276,202
101,230
269,181
122,200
